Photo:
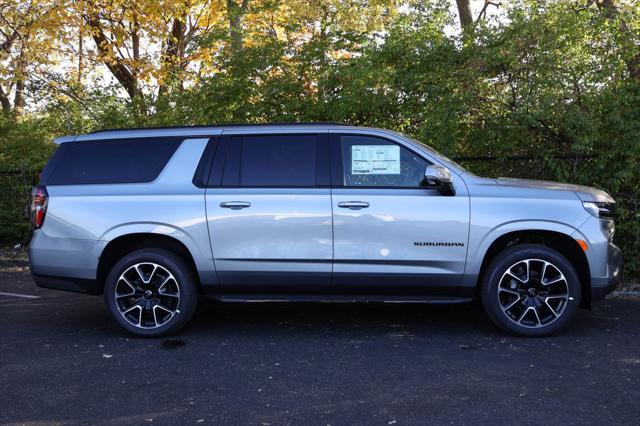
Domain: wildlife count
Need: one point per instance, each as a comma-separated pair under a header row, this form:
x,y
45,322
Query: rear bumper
x,y
76,285
600,287
64,263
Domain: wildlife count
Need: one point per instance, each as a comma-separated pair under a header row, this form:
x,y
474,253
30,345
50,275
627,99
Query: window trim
x,y
337,163
221,162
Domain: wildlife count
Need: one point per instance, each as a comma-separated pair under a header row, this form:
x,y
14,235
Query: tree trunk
x,y
18,99
464,11
114,64
19,76
173,56
236,12
5,102
6,45
80,56
135,45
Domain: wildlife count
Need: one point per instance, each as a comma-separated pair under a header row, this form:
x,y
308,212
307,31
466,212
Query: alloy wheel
x,y
147,295
533,293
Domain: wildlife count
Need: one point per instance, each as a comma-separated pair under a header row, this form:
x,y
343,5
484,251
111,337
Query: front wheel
x,y
151,292
531,290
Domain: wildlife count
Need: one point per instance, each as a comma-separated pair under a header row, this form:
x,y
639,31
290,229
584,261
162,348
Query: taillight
x,y
39,199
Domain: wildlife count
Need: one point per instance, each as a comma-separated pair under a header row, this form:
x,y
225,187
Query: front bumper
x,y
600,287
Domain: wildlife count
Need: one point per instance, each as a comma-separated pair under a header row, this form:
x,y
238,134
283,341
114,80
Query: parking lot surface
x,y
63,361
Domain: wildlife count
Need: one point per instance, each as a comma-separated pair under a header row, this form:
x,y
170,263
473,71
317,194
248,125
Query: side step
x,y
337,298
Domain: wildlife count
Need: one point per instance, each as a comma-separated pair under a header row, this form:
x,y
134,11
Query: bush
x,y
24,150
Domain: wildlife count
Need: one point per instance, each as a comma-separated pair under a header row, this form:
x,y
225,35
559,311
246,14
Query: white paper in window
x,y
375,160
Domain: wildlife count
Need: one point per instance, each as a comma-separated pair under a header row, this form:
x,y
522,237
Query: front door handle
x,y
353,205
235,205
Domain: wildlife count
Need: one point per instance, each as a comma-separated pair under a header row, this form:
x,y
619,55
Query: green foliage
x,y
551,79
23,152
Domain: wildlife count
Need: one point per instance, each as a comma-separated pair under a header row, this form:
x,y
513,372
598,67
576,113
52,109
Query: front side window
x,y
375,162
278,161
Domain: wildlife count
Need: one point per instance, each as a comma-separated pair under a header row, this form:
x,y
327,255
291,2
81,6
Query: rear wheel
x,y
531,290
151,292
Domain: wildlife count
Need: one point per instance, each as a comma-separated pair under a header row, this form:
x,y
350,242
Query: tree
x,y
464,13
26,41
612,11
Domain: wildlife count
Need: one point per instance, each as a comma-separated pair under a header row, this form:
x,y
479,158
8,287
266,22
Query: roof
x,y
198,131
220,126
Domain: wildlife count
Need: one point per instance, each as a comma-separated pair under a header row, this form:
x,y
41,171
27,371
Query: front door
x,y
391,236
270,216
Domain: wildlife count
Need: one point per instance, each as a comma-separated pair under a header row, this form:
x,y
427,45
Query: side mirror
x,y
438,177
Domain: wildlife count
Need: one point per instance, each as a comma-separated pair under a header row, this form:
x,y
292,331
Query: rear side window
x,y
113,161
272,161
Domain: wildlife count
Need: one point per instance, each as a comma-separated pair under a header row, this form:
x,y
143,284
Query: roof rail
x,y
319,123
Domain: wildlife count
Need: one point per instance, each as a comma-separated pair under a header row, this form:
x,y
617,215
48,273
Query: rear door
x,y
269,212
390,234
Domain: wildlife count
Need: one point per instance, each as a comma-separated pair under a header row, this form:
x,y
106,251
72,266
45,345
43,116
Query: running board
x,y
315,298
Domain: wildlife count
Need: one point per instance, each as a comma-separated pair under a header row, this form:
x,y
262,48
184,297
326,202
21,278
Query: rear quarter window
x,y
109,161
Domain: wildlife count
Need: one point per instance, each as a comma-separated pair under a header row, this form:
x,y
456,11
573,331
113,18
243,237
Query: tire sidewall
x,y
183,275
507,258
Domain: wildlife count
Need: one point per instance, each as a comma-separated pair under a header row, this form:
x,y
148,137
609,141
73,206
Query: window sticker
x,y
375,160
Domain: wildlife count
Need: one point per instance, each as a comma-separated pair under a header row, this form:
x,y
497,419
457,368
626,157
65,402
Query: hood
x,y
585,193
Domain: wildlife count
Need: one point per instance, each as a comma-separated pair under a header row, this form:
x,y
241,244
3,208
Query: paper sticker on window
x,y
375,160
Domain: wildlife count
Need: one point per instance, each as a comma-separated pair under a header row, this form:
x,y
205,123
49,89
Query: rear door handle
x,y
235,205
354,205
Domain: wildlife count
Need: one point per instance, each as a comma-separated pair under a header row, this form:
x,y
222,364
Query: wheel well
x,y
123,245
560,242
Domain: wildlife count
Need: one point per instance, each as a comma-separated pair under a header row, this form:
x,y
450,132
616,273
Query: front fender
x,y
478,249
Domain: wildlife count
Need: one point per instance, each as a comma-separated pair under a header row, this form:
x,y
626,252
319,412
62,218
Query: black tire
x,y
182,283
543,321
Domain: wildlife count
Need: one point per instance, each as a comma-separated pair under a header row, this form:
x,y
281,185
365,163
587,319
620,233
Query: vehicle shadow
x,y
334,318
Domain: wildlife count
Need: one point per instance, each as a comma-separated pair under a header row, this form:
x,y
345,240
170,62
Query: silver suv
x,y
152,218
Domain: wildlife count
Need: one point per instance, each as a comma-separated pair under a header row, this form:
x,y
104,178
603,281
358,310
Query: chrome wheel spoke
x,y
556,280
507,290
170,312
166,280
126,281
512,304
535,311
544,271
553,311
524,314
155,268
120,296
559,296
139,313
516,277
140,275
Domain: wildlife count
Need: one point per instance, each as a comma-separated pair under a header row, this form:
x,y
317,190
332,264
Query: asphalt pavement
x,y
63,361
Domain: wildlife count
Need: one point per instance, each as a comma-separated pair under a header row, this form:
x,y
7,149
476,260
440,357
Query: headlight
x,y
600,210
